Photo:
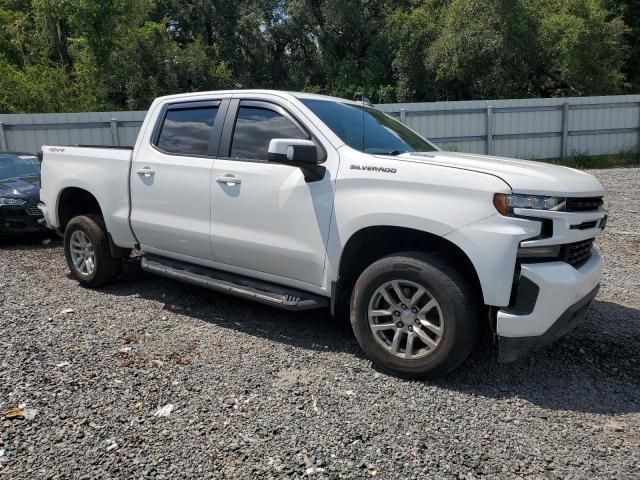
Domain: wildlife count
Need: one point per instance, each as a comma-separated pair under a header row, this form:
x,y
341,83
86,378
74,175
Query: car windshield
x,y
367,129
18,165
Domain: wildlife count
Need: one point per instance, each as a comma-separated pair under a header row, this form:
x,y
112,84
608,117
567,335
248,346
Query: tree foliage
x,y
74,55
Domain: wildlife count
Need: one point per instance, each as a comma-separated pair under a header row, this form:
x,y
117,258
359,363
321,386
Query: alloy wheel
x,y
82,252
406,319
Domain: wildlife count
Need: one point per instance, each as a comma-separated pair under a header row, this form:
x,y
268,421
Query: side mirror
x,y
291,151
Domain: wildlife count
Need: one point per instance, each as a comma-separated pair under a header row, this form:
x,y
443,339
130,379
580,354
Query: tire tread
x,y
461,295
107,268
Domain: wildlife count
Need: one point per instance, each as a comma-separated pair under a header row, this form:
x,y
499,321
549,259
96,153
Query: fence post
x,y
115,139
3,138
564,144
639,128
489,144
403,115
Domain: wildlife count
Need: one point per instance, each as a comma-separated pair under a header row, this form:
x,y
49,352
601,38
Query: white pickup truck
x,y
303,201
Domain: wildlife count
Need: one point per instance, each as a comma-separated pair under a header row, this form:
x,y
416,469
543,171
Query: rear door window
x,y
187,131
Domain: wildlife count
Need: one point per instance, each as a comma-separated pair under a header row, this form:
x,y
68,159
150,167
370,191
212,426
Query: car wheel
x,y
86,248
414,315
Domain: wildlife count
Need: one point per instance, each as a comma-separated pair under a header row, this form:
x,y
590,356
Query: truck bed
x,y
102,171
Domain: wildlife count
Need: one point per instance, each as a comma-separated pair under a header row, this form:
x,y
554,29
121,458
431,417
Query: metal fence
x,y
532,128
28,132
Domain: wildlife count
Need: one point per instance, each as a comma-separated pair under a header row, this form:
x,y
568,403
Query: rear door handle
x,y
229,180
146,171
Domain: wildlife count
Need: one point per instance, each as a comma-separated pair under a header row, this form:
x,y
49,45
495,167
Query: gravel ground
x,y
252,392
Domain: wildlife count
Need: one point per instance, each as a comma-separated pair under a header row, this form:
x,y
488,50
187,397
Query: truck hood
x,y
26,186
523,176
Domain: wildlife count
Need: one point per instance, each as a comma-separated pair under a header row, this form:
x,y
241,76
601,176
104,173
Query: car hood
x,y
27,186
523,176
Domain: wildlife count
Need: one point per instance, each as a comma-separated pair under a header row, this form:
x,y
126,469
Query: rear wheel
x,y
414,315
86,249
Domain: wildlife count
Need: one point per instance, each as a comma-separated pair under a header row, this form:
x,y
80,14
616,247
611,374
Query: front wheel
x,y
414,315
86,249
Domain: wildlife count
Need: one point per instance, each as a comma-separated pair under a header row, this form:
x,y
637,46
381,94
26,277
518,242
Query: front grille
x,y
584,204
34,210
577,254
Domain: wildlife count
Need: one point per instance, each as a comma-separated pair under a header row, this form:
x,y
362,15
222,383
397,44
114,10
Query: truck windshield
x,y
366,129
16,165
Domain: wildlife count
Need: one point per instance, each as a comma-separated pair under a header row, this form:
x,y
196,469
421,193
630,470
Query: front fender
x,y
429,198
492,245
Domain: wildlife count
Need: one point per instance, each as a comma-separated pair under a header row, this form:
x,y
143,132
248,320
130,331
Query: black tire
x,y
459,304
106,268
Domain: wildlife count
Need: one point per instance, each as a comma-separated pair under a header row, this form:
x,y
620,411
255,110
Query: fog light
x,y
547,251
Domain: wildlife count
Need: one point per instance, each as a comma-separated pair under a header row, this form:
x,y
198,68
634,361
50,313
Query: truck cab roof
x,y
280,93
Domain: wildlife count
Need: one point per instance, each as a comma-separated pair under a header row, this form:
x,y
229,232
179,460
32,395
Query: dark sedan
x,y
20,194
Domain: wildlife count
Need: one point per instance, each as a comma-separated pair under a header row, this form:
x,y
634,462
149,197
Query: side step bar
x,y
238,285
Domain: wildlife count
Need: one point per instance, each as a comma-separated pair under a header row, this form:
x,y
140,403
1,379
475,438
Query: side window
x,y
256,127
186,131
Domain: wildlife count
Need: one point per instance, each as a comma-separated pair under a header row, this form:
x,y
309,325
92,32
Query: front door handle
x,y
146,171
229,180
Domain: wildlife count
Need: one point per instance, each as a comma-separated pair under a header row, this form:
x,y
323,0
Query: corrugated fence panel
x,y
129,133
592,118
28,132
523,128
528,128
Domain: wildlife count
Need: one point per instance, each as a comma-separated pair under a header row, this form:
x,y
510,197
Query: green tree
x,y
39,88
10,47
629,11
471,49
584,47
353,55
410,34
65,55
147,63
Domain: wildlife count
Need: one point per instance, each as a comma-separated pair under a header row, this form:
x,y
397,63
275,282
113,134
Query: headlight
x,y
505,204
14,202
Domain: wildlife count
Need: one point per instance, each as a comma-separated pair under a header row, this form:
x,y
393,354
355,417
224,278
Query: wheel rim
x,y
406,319
82,253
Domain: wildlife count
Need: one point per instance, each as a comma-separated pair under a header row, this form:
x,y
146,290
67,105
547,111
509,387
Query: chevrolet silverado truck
x,y
303,201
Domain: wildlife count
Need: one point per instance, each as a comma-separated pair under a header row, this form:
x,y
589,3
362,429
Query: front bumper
x,y
23,219
552,298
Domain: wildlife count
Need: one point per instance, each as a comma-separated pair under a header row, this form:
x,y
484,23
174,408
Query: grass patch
x,y
599,161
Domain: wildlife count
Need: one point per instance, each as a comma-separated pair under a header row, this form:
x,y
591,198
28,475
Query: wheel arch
x,y
74,201
372,243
